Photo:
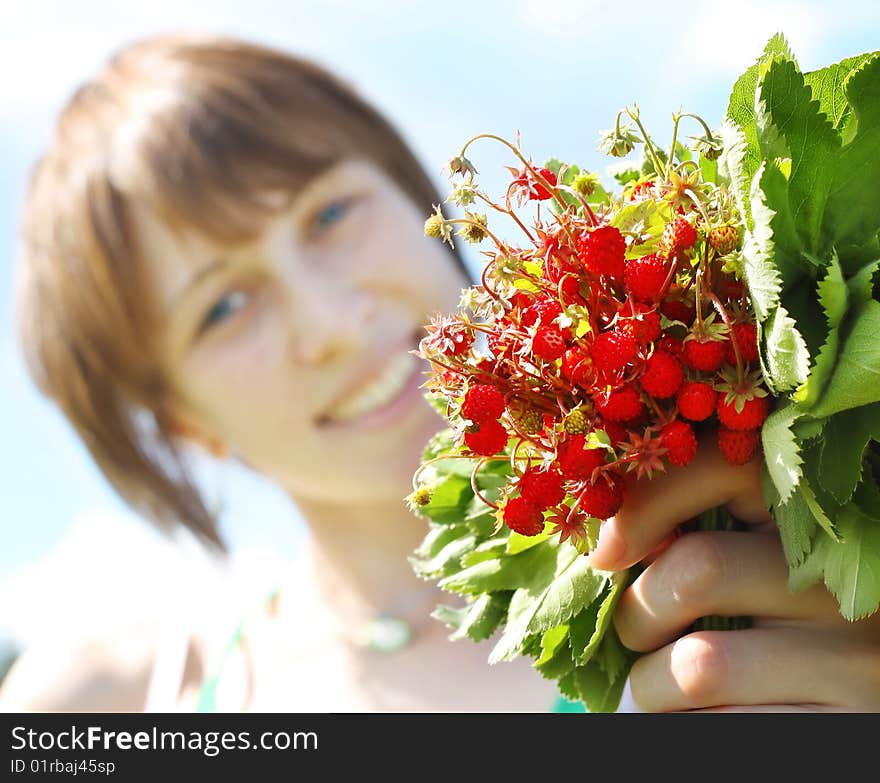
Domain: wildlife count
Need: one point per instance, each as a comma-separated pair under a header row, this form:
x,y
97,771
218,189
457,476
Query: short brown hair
x,y
199,130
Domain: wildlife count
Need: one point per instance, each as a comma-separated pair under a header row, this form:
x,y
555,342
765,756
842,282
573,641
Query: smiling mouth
x,y
381,391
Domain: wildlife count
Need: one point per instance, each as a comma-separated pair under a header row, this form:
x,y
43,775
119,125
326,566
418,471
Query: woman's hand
x,y
799,653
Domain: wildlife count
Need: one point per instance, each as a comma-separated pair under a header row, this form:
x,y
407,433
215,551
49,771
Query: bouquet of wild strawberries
x,y
621,332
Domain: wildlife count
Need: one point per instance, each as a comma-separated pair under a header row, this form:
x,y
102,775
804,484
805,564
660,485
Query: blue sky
x,y
555,70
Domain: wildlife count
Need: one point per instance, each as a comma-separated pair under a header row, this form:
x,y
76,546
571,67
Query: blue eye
x,y
331,214
222,309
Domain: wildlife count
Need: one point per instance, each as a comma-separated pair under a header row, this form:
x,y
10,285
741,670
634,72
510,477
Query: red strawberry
x,y
644,277
679,441
523,517
489,439
663,375
724,239
746,335
543,488
696,400
749,417
642,322
676,310
538,192
482,403
577,366
671,345
544,310
576,461
738,446
549,343
615,431
623,404
602,251
612,351
603,499
705,355
678,235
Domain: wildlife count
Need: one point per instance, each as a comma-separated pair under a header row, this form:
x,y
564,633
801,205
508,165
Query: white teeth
x,y
378,392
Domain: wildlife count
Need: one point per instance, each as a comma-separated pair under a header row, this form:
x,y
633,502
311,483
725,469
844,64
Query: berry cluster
x,y
600,348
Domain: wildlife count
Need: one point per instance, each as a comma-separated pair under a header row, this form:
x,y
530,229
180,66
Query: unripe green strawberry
x,y
576,423
724,239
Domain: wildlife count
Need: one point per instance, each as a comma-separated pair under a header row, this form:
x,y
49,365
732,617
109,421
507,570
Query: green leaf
x,y
442,550
781,450
787,357
551,641
448,498
856,378
575,588
598,692
759,267
843,447
585,652
741,107
853,207
559,664
811,143
532,570
483,616
490,549
833,295
827,87
647,219
795,521
520,543
851,567
861,284
526,618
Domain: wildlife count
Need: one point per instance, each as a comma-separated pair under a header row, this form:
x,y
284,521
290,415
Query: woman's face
x,y
295,349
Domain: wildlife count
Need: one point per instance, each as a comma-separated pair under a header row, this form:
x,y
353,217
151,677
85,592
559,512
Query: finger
x,y
753,667
716,573
654,508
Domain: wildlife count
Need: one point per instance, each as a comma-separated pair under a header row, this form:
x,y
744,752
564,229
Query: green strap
x,y
208,692
564,705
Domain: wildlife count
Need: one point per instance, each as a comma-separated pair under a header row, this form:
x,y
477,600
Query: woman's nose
x,y
329,322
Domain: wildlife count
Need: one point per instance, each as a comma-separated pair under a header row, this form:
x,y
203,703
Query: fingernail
x,y
610,549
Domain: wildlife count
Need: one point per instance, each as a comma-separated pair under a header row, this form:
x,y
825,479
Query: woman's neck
x,y
359,559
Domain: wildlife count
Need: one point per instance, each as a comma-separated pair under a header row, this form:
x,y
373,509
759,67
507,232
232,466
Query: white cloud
x,y
728,37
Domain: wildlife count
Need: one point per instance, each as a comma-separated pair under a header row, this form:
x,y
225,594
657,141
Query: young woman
x,y
224,244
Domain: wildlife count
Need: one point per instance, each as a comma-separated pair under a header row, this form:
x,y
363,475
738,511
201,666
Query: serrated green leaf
x,y
843,447
557,665
794,520
572,590
532,570
787,357
447,560
732,167
520,543
781,450
646,218
853,205
759,260
448,497
851,566
527,602
806,429
833,295
805,490
487,550
827,87
596,690
861,284
810,140
605,610
483,617
741,106
856,377
551,641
